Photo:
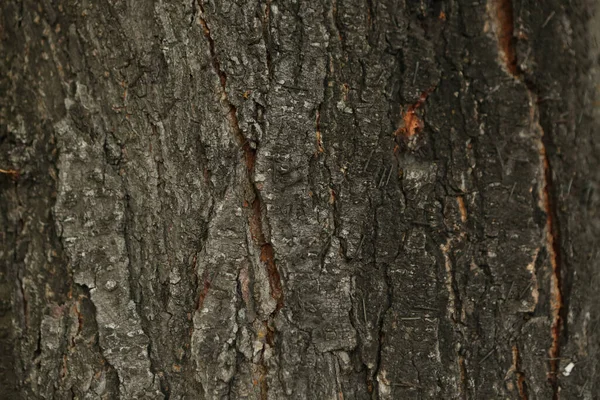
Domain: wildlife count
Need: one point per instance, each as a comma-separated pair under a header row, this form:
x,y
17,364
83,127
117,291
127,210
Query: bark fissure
x,y
104,359
553,248
520,375
505,33
266,25
375,372
464,381
163,384
256,219
506,39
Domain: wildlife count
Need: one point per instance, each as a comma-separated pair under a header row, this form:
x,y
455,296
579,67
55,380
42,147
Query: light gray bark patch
x,y
90,215
213,342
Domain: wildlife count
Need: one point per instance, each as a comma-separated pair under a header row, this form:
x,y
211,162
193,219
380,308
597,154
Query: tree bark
x,y
335,199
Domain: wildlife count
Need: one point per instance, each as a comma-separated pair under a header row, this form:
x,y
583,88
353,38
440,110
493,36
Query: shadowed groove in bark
x,y
80,321
520,376
205,288
464,384
553,246
163,378
506,41
266,24
255,218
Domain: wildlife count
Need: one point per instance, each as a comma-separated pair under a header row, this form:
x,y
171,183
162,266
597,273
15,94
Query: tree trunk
x,y
336,199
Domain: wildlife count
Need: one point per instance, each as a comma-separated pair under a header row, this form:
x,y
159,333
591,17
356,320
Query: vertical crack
x,y
506,40
520,376
249,150
464,381
256,220
375,372
553,248
266,24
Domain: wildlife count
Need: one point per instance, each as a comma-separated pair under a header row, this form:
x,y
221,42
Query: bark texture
x,y
330,199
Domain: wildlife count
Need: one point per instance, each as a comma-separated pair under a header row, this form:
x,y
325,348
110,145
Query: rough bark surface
x,y
333,199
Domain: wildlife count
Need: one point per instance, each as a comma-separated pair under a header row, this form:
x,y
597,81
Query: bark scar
x,y
412,123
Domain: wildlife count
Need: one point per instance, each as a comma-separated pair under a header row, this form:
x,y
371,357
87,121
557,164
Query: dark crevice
x,y
266,25
553,244
506,40
249,149
385,307
520,376
194,12
464,378
163,383
505,33
338,24
321,153
133,289
255,208
104,361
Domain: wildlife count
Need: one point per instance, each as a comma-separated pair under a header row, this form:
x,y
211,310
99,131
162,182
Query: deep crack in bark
x,y
520,376
255,219
506,41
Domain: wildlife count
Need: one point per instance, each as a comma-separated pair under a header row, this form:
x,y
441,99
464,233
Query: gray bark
x,y
335,199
